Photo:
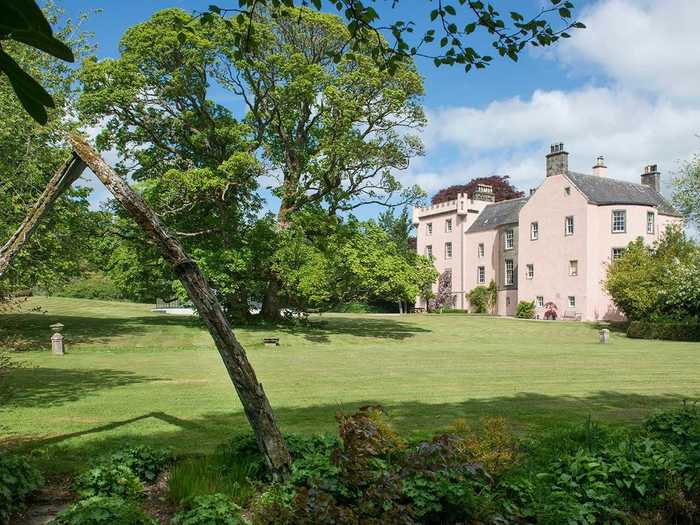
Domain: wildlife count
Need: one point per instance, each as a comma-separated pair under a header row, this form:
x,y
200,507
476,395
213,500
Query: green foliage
x,y
191,478
18,479
30,154
482,299
686,190
104,510
25,22
146,462
213,509
110,480
446,39
92,286
583,474
525,310
671,331
656,283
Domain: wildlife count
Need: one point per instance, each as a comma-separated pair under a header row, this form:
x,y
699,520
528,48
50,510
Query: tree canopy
x,y
686,194
502,189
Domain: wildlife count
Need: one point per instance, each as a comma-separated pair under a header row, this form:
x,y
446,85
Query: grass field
x,y
134,376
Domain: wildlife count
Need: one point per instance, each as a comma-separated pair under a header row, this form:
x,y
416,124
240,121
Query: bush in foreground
x,y
213,509
146,462
110,480
18,479
104,510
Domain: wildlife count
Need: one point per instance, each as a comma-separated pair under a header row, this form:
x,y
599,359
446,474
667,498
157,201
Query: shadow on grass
x,y
43,387
79,329
526,412
320,330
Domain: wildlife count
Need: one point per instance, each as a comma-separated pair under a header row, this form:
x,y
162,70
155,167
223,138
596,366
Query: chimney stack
x,y
652,177
600,169
557,160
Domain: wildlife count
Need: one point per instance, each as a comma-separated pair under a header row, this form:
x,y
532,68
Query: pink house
x,y
550,247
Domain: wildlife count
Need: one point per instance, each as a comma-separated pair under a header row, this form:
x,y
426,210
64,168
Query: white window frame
x,y
448,255
429,250
480,250
571,301
573,267
618,213
481,274
612,253
651,222
509,275
448,225
534,231
539,301
529,271
568,222
509,235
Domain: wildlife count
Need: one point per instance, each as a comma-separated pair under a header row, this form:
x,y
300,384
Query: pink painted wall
x,y
551,252
472,260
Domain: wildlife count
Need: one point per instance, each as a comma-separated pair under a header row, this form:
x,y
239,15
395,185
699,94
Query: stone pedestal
x,y
604,336
57,347
57,344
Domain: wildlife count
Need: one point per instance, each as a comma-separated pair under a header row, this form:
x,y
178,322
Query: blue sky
x,y
625,88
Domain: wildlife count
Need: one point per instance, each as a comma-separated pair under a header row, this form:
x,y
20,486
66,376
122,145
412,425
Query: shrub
x,y
672,331
146,462
94,286
213,509
104,510
525,310
18,479
478,300
110,480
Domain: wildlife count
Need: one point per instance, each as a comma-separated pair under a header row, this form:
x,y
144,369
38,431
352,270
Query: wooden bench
x,y
571,315
419,310
271,341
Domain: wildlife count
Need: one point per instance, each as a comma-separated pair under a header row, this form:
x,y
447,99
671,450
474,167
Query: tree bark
x,y
66,175
255,403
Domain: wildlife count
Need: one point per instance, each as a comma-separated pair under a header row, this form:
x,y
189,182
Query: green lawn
x,y
135,376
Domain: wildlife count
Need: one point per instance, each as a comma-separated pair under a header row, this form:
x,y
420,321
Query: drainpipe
x,y
461,259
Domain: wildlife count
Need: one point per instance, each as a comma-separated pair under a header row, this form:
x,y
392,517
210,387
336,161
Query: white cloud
x,y
512,136
643,44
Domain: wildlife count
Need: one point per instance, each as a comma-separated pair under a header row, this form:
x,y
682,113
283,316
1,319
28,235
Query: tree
x,y
686,195
399,229
658,282
29,155
502,189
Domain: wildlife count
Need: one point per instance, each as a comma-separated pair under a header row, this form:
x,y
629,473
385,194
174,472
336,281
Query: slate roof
x,y
498,214
602,190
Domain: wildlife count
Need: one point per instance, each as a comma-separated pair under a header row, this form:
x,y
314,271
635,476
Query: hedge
x,y
664,330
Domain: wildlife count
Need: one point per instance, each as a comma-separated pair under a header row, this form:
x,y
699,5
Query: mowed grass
x,y
132,376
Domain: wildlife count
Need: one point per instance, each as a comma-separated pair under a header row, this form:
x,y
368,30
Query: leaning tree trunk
x,y
250,391
66,175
